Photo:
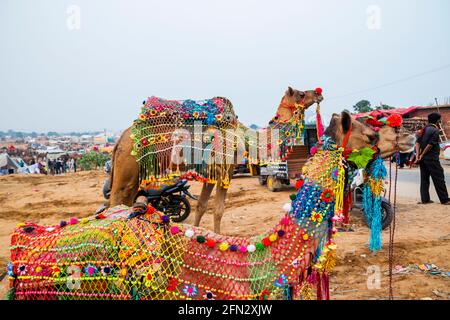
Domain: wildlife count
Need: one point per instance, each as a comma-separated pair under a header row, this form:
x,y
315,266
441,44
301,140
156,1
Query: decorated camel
x,y
144,153
138,253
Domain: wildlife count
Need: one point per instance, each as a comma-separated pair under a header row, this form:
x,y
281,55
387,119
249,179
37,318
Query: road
x,y
408,184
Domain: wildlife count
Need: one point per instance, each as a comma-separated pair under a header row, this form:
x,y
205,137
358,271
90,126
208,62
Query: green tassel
x,y
11,294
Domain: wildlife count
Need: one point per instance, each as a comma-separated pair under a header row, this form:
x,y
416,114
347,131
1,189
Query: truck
x,y
275,175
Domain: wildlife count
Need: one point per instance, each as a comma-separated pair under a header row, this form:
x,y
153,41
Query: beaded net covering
x,y
208,126
118,256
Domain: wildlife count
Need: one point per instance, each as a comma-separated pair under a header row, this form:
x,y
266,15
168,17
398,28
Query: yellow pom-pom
x,y
38,269
84,220
21,225
224,246
305,237
273,237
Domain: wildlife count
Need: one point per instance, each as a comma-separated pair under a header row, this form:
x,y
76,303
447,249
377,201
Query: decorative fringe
x,y
319,124
347,206
339,190
372,192
11,294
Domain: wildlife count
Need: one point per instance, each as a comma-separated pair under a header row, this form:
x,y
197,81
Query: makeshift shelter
x,y
7,164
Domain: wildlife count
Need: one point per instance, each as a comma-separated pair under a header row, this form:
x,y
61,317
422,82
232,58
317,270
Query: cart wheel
x,y
273,184
262,180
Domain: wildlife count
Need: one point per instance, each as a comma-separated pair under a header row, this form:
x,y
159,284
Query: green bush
x,y
93,160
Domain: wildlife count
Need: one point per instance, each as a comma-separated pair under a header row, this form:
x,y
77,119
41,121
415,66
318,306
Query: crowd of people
x,y
61,165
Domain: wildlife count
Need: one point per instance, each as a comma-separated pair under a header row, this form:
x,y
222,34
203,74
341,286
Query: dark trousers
x,y
433,168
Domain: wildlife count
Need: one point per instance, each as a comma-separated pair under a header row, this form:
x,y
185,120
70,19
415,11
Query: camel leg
x,y
202,203
125,173
221,194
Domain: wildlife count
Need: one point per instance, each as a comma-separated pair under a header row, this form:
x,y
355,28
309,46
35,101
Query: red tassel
x,y
325,287
347,206
319,287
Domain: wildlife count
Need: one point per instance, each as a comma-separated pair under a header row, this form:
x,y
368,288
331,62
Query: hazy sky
x,y
56,77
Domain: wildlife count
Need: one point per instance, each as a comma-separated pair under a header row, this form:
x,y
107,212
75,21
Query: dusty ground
x,y
422,232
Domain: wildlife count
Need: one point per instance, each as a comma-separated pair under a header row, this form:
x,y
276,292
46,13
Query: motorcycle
x,y
171,200
356,186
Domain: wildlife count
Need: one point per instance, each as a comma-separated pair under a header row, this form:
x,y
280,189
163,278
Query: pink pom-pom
x,y
285,221
73,221
243,249
174,230
313,150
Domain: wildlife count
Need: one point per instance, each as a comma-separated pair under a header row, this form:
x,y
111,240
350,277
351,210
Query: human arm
x,y
432,142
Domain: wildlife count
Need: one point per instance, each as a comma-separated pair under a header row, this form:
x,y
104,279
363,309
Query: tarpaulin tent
x,y
7,164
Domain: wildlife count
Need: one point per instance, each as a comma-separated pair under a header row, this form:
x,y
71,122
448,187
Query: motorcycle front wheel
x,y
387,214
178,208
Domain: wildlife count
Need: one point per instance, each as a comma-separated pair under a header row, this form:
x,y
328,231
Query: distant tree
x,y
52,134
363,106
93,160
384,107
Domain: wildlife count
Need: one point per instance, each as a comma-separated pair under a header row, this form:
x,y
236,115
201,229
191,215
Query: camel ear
x,y
290,92
346,121
302,94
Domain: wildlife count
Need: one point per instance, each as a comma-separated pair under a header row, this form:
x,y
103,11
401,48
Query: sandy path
x,y
422,232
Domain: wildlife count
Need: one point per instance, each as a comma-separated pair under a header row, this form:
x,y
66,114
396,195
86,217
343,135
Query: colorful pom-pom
x,y
243,249
318,90
62,224
201,239
73,220
233,248
287,207
211,243
266,242
285,221
259,246
281,233
251,248
189,233
174,230
223,246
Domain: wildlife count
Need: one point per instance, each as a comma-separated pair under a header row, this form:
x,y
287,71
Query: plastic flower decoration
x,y
142,117
209,295
172,284
316,217
361,157
281,281
265,294
106,270
9,269
90,270
56,271
327,195
335,174
149,279
190,290
394,120
22,269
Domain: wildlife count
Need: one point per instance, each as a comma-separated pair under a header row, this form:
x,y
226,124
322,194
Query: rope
x,y
392,226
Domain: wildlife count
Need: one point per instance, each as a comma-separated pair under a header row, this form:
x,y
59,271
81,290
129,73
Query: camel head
x,y
363,136
295,101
